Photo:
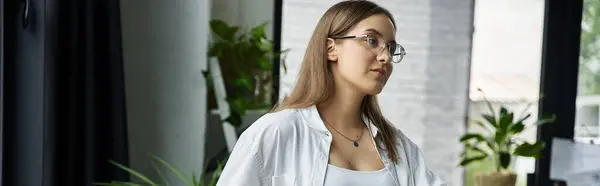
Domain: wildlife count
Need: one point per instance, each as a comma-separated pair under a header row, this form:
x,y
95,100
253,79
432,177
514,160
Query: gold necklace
x,y
355,141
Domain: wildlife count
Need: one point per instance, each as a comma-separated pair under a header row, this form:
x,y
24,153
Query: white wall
x,y
508,37
165,44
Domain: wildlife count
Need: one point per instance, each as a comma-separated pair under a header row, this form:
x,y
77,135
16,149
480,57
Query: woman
x,y
329,130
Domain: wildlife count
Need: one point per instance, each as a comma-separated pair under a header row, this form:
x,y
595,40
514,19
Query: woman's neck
x,y
342,110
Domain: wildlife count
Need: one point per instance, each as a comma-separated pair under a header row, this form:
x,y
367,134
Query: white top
x,y
291,148
337,176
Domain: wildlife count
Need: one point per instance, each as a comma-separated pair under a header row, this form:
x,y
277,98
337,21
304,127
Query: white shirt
x,y
291,148
337,176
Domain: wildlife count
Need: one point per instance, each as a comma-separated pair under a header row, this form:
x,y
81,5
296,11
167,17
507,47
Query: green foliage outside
x,y
246,60
589,59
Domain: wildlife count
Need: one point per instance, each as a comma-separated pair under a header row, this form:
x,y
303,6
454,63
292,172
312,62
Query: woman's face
x,y
356,63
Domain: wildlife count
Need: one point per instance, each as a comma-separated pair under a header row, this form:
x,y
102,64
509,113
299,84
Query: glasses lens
x,y
374,41
397,52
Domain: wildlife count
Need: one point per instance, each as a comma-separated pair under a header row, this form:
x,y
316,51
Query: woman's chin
x,y
373,90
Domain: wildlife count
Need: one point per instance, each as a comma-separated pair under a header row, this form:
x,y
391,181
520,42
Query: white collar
x,y
313,118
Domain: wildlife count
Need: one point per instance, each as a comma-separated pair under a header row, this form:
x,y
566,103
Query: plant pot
x,y
503,178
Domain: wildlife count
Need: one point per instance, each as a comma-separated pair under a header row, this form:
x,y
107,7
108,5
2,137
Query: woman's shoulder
x,y
404,142
272,125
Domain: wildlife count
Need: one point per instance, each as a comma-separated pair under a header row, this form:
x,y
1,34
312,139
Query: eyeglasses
x,y
377,45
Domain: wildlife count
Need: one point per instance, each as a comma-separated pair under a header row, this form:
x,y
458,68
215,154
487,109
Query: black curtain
x,y
80,96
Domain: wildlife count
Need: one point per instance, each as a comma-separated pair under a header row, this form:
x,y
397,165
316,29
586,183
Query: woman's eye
x,y
373,43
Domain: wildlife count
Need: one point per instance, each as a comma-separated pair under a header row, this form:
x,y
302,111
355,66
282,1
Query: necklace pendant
x,y
355,143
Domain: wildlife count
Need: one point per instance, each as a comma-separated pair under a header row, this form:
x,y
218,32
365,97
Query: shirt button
x,y
327,134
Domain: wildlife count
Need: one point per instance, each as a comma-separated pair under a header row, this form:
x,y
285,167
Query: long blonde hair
x,y
315,82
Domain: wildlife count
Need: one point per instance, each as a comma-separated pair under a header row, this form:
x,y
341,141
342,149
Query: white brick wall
x,y
427,95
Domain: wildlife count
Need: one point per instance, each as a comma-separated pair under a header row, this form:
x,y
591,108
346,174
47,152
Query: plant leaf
x,y
529,150
506,120
244,82
195,181
234,118
134,173
264,64
485,126
523,118
517,128
488,103
490,119
463,154
546,120
118,183
223,30
503,111
504,159
467,161
500,138
478,150
469,136
160,173
258,31
205,73
265,45
177,172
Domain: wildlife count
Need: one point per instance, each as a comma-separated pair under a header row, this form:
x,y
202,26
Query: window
x,y
587,129
506,62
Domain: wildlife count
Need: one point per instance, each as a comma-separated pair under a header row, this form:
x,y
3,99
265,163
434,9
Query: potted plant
x,y
498,141
246,62
202,179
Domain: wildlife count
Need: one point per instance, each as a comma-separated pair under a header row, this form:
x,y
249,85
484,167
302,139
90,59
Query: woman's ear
x,y
331,51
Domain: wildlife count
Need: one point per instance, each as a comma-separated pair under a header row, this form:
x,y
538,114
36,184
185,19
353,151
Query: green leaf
x,y
463,154
217,49
283,54
177,172
546,120
490,119
244,83
529,150
504,159
259,31
469,136
467,161
134,173
490,143
195,180
500,138
118,183
265,45
264,64
160,173
239,104
503,111
234,118
488,103
222,30
517,128
485,126
506,119
478,150
205,74
523,118
217,173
